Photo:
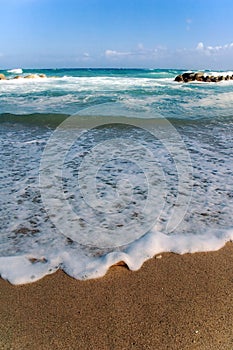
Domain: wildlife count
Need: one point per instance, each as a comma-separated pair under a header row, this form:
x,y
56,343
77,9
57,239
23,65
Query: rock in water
x,y
188,76
208,79
199,76
31,76
179,78
2,77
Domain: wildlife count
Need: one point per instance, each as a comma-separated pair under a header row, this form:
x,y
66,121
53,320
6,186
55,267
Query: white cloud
x,y
205,56
200,56
140,53
200,46
114,53
213,49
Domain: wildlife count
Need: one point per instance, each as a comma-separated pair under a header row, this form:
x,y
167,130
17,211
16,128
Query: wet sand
x,y
175,302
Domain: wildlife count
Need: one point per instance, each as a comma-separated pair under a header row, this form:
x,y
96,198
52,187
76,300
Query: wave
x,y
40,119
33,267
53,120
32,246
15,71
217,73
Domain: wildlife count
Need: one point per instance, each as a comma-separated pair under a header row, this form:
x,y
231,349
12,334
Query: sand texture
x,y
175,302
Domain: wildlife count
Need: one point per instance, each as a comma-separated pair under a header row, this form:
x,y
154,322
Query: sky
x,y
190,34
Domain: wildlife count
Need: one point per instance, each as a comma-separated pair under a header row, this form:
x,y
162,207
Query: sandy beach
x,y
172,302
116,182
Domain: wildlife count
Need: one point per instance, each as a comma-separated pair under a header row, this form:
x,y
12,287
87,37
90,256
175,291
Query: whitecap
x,y
15,71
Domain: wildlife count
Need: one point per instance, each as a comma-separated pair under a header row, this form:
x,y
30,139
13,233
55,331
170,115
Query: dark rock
x,y
179,78
199,76
207,79
188,75
191,76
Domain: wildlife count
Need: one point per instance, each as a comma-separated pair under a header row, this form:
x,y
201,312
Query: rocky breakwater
x,y
30,76
34,76
2,77
200,76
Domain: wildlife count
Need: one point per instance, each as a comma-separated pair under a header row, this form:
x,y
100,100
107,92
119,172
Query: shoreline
x,y
175,302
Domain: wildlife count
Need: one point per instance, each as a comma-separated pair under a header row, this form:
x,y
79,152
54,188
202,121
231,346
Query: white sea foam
x,y
30,246
222,100
15,71
67,94
87,82
25,269
223,73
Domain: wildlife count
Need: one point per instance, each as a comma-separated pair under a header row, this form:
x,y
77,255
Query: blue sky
x,y
116,33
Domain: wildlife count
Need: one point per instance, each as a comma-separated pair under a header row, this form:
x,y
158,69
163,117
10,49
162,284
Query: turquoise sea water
x,y
103,165
73,89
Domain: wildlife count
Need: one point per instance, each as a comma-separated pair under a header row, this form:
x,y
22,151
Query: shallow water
x,y
145,167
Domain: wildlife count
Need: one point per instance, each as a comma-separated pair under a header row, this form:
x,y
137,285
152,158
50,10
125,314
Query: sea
x,y
101,166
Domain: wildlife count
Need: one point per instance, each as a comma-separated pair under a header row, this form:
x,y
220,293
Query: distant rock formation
x,y
2,77
30,76
199,76
34,76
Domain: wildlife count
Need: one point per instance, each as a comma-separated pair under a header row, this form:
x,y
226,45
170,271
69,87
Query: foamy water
x,y
149,171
